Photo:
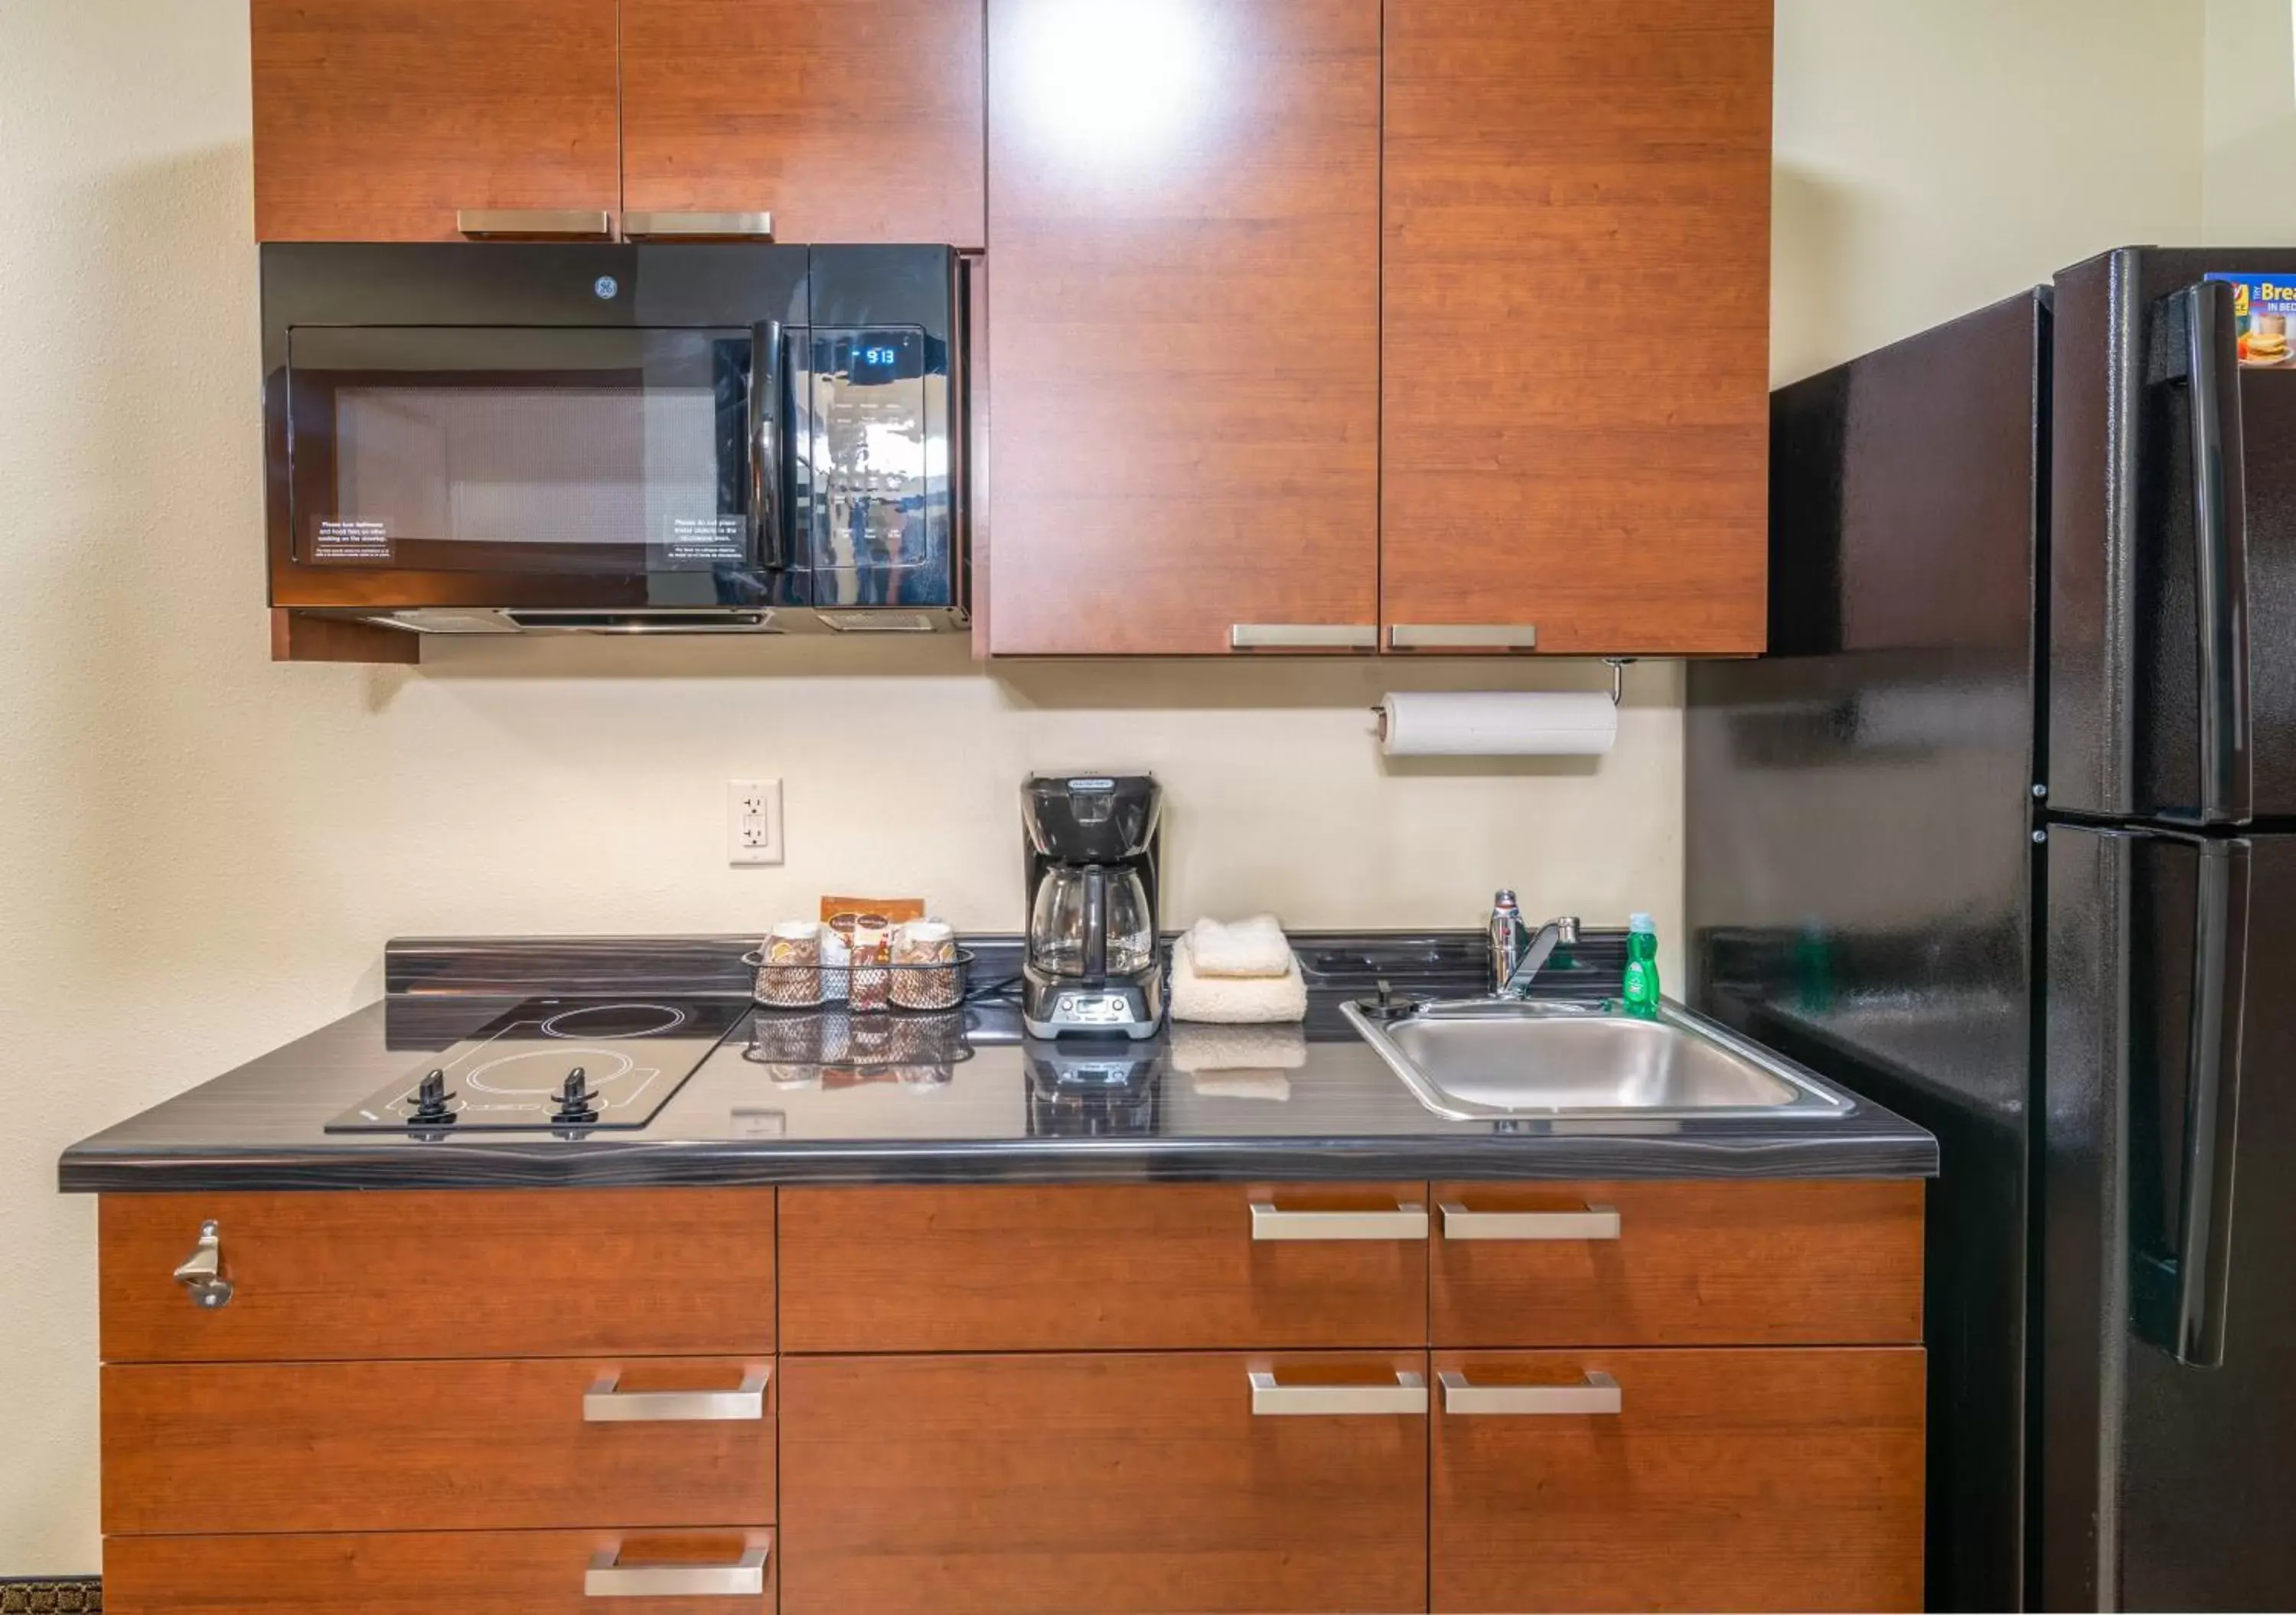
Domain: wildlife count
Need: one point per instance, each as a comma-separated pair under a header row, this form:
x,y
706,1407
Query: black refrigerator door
x,y
2173,545
2168,1251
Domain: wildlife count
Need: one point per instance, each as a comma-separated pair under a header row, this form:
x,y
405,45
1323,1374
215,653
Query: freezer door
x,y
2172,560
2169,1244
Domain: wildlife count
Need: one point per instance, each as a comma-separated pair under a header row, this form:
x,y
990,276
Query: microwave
x,y
499,437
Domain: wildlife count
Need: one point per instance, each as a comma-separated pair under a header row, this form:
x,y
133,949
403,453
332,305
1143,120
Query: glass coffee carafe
x,y
1091,921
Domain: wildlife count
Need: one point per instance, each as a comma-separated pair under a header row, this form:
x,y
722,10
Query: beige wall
x,y
1935,155
2250,125
201,854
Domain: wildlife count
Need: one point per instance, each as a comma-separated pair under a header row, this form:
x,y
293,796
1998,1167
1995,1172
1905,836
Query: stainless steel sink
x,y
1480,1059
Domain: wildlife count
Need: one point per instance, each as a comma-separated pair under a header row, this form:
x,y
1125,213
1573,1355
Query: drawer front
x,y
1119,1482
448,1273
1683,1480
1676,1263
434,1573
536,1443
1091,1268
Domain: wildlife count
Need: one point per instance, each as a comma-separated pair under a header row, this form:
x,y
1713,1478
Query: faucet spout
x,y
1562,931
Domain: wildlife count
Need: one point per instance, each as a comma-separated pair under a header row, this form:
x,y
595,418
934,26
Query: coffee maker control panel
x,y
1095,1009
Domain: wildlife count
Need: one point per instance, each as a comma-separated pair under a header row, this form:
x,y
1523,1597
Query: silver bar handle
x,y
1408,1395
1587,1223
1408,1221
1303,637
547,224
2220,534
607,1578
1595,1393
717,226
603,1403
1463,636
202,1272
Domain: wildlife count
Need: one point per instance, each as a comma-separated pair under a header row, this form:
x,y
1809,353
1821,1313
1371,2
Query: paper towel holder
x,y
1616,664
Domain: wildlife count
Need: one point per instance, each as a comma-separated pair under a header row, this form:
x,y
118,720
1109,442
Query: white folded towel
x,y
1256,946
1198,1050
1233,1000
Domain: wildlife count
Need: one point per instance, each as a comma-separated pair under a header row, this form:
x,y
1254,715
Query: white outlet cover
x,y
753,821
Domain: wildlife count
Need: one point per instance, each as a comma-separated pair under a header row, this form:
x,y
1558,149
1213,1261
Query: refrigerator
x,y
2002,832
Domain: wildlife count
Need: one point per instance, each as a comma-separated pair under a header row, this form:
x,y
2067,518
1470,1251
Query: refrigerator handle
x,y
2211,365
2189,1320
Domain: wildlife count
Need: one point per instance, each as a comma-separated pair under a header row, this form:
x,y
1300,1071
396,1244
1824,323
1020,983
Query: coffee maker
x,y
1093,966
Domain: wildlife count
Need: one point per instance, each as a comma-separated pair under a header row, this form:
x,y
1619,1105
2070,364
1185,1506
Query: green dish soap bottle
x,y
1641,987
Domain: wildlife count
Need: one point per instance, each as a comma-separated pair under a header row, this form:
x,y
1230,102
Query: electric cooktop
x,y
554,1065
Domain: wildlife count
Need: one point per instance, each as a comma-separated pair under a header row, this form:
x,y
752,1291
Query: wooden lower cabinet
x,y
416,1573
1726,1480
415,1447
1111,1482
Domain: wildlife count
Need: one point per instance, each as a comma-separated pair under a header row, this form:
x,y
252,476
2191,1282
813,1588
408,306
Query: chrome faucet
x,y
1518,953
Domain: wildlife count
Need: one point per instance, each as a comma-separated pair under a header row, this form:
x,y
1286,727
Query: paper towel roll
x,y
1498,723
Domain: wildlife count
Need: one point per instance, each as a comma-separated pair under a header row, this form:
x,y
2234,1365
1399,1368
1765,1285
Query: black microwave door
x,y
532,451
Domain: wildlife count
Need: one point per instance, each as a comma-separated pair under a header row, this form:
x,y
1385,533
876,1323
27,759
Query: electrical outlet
x,y
753,821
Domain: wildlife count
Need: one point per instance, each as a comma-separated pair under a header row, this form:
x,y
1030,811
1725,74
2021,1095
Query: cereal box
x,y
2265,306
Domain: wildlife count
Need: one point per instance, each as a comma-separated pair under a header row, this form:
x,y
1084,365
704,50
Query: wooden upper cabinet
x,y
1184,200
1577,318
848,121
377,119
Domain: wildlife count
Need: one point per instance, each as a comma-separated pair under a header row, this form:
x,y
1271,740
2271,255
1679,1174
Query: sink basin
x,y
1497,1058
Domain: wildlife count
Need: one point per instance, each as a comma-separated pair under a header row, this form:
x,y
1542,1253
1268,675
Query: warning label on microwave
x,y
337,539
708,539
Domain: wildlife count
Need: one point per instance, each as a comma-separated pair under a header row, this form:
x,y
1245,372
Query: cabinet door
x,y
1183,201
1678,1479
848,121
1577,319
375,120
426,1447
438,1573
359,1275
1776,1263
1096,1268
1052,1483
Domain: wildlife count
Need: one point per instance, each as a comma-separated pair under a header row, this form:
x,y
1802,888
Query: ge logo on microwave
x,y
605,286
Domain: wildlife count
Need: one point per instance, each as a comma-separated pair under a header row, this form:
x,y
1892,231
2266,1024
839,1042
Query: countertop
x,y
1317,1103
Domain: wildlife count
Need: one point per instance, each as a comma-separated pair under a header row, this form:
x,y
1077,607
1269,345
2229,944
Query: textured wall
x,y
200,854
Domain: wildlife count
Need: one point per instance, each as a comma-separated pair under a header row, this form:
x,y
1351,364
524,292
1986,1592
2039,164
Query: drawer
x,y
445,1273
436,1573
1680,1479
1171,1266
1044,1485
537,1443
1735,1263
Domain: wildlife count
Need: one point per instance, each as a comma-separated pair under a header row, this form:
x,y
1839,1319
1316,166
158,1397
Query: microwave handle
x,y
768,523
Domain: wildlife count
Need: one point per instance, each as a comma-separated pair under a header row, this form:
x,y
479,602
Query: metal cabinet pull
x,y
202,1272
1408,1395
1596,1393
1408,1220
722,226
1302,637
606,1578
1463,636
602,1403
1589,1222
562,224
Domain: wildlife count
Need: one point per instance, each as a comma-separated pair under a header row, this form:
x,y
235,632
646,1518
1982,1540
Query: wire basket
x,y
922,986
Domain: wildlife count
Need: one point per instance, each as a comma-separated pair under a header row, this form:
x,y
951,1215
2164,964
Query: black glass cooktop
x,y
555,1064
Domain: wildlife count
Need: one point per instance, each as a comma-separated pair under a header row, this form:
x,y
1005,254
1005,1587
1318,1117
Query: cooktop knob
x,y
574,1097
430,1097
